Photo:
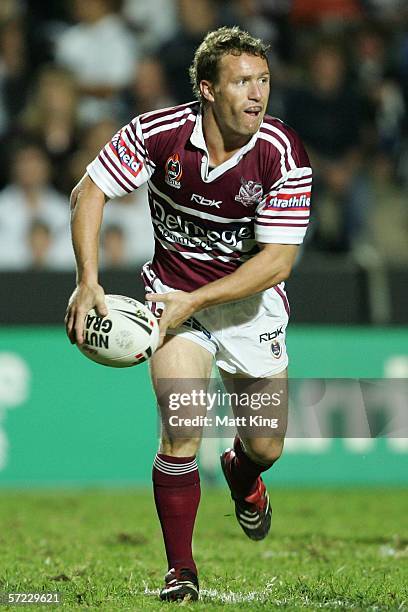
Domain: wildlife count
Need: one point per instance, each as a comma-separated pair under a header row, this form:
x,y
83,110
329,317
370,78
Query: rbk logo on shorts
x,y
250,193
268,336
174,171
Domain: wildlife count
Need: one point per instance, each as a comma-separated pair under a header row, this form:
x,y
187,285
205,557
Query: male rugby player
x,y
229,193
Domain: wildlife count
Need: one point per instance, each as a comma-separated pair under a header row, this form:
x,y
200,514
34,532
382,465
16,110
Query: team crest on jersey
x,y
276,349
250,192
174,171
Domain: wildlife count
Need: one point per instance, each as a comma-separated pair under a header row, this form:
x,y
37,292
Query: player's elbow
x,y
86,189
284,272
73,197
281,273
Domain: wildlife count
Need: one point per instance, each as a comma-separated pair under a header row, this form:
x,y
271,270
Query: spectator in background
x,y
39,240
250,14
14,72
382,98
101,53
326,113
51,119
392,11
196,19
113,248
89,146
326,13
148,91
28,197
153,21
131,214
9,9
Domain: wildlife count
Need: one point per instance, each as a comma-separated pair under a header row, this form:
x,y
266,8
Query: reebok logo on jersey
x,y
198,199
173,171
293,202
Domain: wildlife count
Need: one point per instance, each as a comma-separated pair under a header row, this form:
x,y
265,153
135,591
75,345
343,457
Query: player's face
x,y
241,94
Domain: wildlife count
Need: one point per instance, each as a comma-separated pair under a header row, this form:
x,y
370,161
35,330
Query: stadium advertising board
x,y
67,421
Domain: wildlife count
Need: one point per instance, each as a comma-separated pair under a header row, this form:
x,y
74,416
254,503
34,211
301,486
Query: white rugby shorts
x,y
245,337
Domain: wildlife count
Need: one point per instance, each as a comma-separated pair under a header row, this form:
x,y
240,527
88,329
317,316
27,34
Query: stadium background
x,y
70,74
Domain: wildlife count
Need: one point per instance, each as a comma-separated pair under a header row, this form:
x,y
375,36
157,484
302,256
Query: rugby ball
x,y
127,336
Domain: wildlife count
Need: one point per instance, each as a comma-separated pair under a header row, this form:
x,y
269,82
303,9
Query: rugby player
x,y
229,194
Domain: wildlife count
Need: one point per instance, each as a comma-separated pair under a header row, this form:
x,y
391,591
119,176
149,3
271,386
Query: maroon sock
x,y
244,471
176,486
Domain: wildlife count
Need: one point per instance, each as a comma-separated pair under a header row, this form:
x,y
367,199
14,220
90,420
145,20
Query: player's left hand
x,y
179,306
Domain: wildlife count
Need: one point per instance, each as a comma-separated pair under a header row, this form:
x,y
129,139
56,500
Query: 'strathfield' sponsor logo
x,y
293,202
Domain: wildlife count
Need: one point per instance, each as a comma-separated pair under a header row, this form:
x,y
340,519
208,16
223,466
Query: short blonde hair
x,y
217,44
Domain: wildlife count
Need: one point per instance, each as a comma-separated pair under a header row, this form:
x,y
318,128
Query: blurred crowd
x,y
73,71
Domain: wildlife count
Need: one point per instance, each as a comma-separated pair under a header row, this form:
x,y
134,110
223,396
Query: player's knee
x,y
180,447
265,452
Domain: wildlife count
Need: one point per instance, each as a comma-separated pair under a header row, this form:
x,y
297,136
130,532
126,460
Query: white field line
x,y
264,596
226,597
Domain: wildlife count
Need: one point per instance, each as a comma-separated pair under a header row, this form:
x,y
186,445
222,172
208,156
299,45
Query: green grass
x,y
329,549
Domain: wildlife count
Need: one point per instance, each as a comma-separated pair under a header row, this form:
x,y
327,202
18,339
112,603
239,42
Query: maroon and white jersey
x,y
207,221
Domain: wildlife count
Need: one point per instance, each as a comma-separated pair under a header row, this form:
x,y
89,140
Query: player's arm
x,y
87,203
122,166
272,265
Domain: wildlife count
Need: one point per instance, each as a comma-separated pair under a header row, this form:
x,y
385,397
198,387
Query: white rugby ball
x,y
127,336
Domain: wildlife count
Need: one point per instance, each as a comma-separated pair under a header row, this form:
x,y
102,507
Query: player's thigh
x,y
180,373
262,404
180,358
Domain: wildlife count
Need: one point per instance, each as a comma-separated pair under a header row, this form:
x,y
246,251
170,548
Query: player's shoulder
x,y
282,141
276,128
171,118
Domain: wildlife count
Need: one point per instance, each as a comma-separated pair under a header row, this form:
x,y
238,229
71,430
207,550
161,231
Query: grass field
x,y
330,549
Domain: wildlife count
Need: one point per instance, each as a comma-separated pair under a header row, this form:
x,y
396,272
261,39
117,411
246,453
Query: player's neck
x,y
220,145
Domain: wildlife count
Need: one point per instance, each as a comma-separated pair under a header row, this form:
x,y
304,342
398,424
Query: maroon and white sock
x,y
176,486
244,472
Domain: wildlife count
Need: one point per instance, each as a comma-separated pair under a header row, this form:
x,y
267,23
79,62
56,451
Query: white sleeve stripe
x,y
104,181
282,223
118,168
281,212
296,173
284,190
138,144
305,181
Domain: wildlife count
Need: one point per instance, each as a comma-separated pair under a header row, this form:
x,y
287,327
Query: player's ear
x,y
207,91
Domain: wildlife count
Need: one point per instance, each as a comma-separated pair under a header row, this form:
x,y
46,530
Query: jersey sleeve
x,y
283,215
124,163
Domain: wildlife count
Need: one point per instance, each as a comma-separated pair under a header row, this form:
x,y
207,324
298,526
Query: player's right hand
x,y
81,301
